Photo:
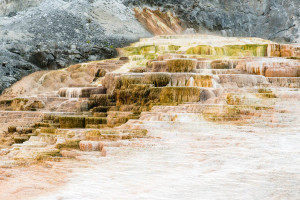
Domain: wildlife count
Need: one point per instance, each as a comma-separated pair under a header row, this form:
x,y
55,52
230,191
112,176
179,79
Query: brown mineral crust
x,y
159,23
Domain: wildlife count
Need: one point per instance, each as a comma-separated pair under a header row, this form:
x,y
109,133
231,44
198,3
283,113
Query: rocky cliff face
x,y
52,34
271,19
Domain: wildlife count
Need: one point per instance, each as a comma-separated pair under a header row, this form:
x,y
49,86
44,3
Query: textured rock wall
x,y
271,19
159,23
12,7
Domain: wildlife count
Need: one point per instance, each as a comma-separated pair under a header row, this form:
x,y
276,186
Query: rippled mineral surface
x,y
174,117
195,160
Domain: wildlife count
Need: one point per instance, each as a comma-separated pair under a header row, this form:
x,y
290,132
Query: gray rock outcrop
x,y
51,34
270,19
12,7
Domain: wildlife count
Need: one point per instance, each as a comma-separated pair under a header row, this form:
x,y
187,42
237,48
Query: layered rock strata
x,y
176,79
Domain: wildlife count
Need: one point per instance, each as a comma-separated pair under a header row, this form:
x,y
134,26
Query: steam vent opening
x,y
149,100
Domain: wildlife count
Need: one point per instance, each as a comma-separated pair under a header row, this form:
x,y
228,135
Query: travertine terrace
x,y
219,109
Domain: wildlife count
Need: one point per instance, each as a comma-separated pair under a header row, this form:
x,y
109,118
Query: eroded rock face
x,y
159,23
271,19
